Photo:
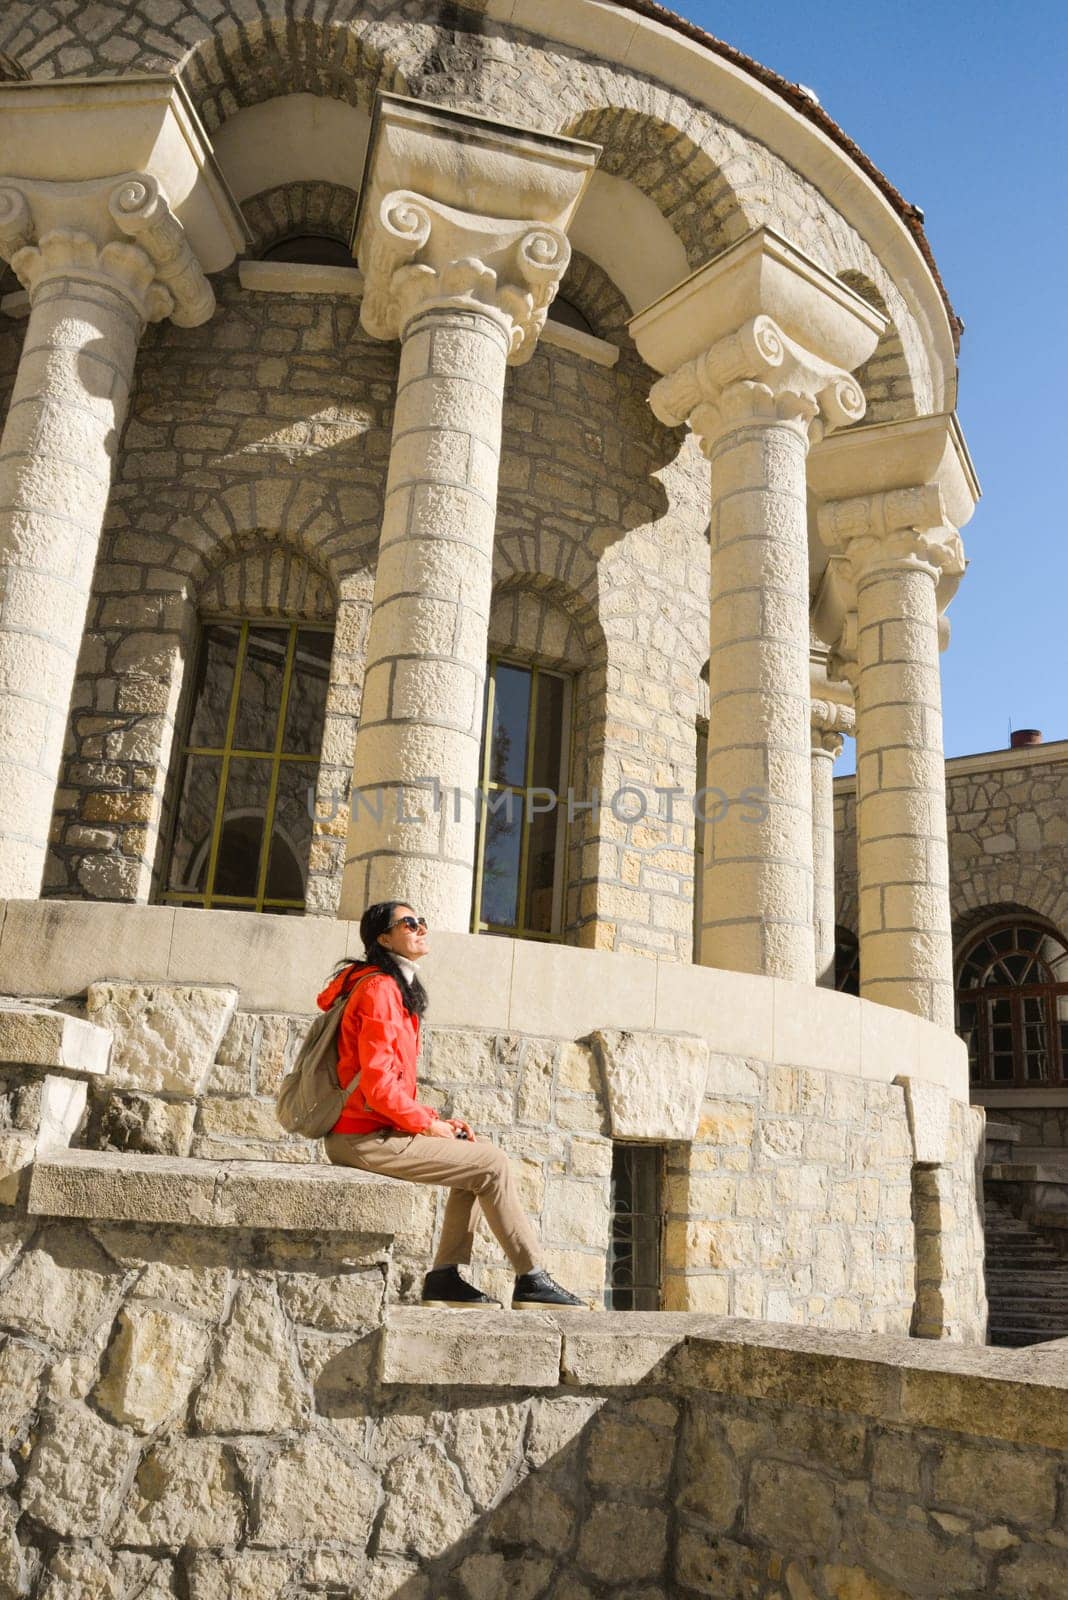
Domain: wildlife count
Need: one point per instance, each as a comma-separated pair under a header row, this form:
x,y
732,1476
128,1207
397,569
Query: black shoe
x,y
537,1290
444,1287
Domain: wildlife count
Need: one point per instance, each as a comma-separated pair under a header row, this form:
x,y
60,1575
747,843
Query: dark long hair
x,y
375,920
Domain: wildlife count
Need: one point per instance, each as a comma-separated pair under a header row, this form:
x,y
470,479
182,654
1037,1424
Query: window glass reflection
x,y
522,820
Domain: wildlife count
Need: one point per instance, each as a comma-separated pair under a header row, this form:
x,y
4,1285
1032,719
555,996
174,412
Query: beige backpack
x,y
311,1099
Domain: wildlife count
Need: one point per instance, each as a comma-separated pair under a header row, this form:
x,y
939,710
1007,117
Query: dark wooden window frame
x,y
984,996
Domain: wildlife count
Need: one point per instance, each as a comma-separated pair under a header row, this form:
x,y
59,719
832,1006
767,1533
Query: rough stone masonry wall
x,y
797,1202
216,1414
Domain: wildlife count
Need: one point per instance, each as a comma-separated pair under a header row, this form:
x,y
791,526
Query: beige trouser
x,y
478,1173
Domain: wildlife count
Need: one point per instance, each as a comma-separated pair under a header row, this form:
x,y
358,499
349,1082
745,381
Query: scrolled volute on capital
x,y
125,237
424,255
757,372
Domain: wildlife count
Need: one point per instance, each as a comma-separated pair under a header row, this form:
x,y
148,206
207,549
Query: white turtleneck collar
x,y
406,965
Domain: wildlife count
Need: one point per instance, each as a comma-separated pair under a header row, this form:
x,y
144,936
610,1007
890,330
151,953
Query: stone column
x,y
753,396
92,290
467,294
830,723
898,548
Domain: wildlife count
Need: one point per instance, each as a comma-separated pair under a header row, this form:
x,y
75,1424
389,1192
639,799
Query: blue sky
x,y
961,104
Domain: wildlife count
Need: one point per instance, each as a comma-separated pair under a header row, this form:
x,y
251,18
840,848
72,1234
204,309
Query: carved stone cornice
x,y
420,255
756,372
899,530
121,233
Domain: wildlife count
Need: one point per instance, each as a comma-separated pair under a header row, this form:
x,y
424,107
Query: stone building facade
x,y
487,455
1008,837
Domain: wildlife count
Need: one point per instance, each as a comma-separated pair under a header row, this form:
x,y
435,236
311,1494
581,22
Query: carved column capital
x,y
831,721
757,372
118,232
420,255
900,528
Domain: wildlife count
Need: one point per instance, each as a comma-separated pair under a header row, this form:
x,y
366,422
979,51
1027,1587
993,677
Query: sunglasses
x,y
413,924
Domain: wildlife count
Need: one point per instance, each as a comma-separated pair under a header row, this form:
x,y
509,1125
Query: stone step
x,y
39,1036
1043,1321
232,1194
1051,1155
1003,1132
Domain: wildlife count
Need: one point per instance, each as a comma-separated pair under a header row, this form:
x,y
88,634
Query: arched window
x,y
1012,1006
310,249
243,824
563,311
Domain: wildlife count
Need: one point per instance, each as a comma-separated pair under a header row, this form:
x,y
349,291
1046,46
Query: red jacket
x,y
380,1039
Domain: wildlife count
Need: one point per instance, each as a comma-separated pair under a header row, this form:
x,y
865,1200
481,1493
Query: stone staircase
x,y
1026,1270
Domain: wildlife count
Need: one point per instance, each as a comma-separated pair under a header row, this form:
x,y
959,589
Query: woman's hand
x,y
441,1130
454,1128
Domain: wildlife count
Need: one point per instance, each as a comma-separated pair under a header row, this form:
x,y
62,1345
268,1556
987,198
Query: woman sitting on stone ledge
x,y
385,1129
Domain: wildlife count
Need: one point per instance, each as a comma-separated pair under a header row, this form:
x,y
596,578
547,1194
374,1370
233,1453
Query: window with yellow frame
x,y
246,788
522,829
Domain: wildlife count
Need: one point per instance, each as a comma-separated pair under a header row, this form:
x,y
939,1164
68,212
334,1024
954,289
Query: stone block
x,y
249,1575
654,1083
186,1492
310,1493
461,1057
534,1102
147,1124
710,1482
16,1154
36,1036
621,1349
426,1509
578,1071
166,1036
557,991
791,1507
21,1367
491,1349
624,1454
983,1481
251,1385
151,1366
60,1291
77,1472
576,1213
62,1107
489,1446
53,946
623,1542
332,1300
242,1118
928,1107
233,1194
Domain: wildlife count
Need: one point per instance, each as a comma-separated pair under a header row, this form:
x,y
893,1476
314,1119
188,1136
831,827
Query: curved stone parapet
x,y
516,986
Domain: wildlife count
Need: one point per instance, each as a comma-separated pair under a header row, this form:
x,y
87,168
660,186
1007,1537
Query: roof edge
x,y
801,102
